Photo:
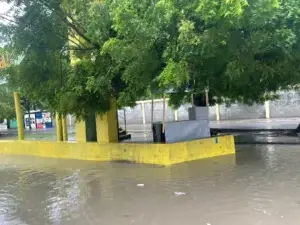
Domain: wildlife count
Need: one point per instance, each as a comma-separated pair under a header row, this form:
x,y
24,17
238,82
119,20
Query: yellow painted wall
x,y
107,125
80,131
159,154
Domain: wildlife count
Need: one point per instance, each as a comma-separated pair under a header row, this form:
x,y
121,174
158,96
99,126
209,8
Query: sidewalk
x,y
253,124
246,131
143,133
257,125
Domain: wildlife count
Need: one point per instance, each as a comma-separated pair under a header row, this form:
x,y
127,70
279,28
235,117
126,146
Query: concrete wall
x,y
153,154
187,130
288,105
135,115
184,115
183,112
158,112
141,113
239,112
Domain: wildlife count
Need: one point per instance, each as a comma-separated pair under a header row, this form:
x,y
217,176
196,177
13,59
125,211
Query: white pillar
x,y
267,108
143,112
70,120
176,115
217,112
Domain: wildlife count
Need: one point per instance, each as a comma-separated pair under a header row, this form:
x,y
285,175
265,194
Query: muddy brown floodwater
x,y
260,185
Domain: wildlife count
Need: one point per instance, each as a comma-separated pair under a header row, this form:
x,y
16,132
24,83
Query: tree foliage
x,y
242,50
7,110
6,95
7,105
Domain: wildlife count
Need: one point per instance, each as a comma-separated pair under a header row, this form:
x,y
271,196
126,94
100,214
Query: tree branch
x,y
77,30
70,22
77,39
7,19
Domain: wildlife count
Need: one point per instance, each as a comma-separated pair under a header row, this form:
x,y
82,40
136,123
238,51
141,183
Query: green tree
x,y
6,95
7,110
7,106
241,50
37,37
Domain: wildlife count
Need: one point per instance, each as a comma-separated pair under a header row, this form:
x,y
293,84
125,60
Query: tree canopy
x,y
76,55
7,110
7,106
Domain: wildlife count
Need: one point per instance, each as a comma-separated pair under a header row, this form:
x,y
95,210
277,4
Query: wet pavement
x,y
288,123
265,138
264,124
245,131
257,131
260,185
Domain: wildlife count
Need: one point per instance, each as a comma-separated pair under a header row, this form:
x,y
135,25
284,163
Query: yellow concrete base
x,y
159,154
80,131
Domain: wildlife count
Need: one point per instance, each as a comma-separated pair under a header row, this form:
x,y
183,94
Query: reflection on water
x,y
266,138
260,185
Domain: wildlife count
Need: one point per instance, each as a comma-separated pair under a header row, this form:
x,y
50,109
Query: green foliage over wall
x,y
242,50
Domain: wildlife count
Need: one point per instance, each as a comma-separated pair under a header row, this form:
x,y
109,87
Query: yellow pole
x,y
64,128
59,134
19,116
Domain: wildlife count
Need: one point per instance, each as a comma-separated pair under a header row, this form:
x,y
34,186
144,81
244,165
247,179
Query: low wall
x,y
158,154
288,105
234,112
186,130
240,112
141,113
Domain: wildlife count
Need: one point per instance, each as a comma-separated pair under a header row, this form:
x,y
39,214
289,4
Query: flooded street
x,y
260,185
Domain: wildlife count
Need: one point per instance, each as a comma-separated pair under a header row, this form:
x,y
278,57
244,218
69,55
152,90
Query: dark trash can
x,y
158,135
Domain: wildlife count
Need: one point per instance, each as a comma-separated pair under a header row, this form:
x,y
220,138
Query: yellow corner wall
x,y
80,131
158,154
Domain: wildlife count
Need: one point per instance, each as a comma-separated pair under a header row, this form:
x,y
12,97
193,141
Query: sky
x,y
3,7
